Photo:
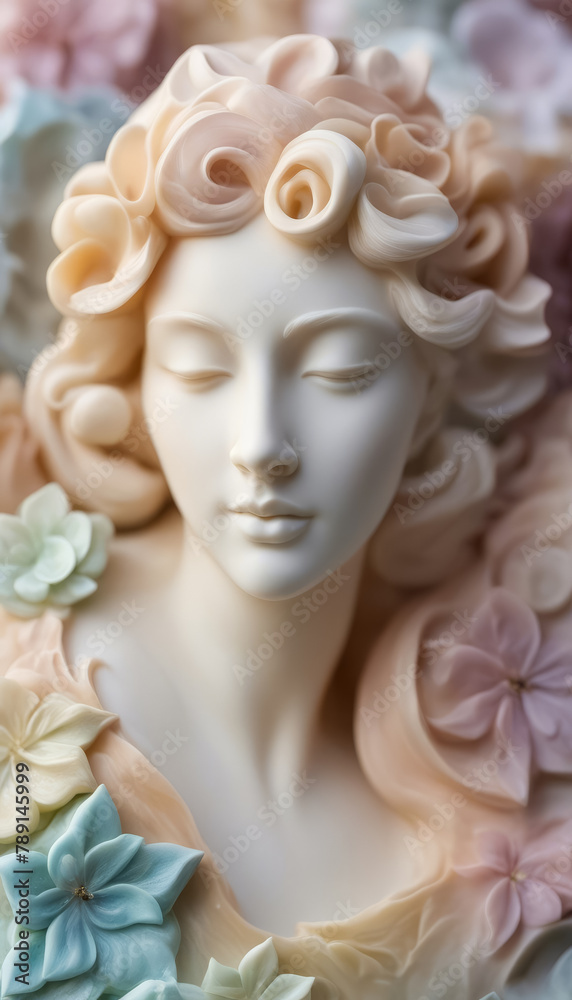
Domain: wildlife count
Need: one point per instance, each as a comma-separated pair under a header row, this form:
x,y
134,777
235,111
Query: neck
x,y
261,668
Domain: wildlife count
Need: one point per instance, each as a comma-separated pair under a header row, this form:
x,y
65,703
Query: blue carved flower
x,y
99,908
50,556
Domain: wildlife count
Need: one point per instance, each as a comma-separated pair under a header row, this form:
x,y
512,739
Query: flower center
x,y
83,893
518,876
517,685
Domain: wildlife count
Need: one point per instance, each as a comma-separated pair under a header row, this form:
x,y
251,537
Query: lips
x,y
270,521
273,530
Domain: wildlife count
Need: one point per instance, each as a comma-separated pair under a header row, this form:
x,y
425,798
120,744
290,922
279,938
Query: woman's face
x,y
288,395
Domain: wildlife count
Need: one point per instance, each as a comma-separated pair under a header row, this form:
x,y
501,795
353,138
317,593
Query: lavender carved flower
x,y
504,680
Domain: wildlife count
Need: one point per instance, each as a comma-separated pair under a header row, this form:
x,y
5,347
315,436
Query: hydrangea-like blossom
x,y
505,681
50,556
527,886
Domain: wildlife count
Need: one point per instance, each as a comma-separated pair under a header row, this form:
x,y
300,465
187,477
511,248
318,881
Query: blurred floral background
x,y
71,72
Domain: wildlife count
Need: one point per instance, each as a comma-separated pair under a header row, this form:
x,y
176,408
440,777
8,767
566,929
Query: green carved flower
x,y
50,556
258,977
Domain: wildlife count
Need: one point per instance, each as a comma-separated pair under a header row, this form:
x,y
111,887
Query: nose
x,y
261,448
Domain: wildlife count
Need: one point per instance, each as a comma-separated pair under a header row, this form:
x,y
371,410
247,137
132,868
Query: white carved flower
x,y
50,556
257,978
48,736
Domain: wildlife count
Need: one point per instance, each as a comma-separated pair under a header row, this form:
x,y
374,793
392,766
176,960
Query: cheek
x,y
361,445
190,443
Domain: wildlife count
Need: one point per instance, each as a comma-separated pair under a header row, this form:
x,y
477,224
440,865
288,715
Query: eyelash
x,y
203,377
347,375
342,376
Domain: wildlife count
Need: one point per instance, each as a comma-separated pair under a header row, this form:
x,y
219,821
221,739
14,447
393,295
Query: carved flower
x,y
50,557
48,736
314,185
527,885
43,141
257,978
99,906
503,679
70,45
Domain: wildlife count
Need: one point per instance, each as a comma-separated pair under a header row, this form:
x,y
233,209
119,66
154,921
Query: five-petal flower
x,y
504,680
98,902
48,735
528,885
257,978
50,556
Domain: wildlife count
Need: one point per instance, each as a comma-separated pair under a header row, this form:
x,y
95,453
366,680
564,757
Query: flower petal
x,y
10,987
539,902
129,956
16,542
289,987
75,588
503,911
65,721
509,630
77,530
95,821
119,906
474,716
78,988
547,712
163,870
220,978
101,534
497,852
551,669
48,905
30,589
104,862
17,703
513,730
60,772
44,510
56,561
41,881
258,968
70,945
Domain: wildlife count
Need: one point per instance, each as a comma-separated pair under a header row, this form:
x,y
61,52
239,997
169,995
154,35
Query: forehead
x,y
257,269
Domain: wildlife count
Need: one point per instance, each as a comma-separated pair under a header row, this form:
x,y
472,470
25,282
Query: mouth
x,y
272,530
271,522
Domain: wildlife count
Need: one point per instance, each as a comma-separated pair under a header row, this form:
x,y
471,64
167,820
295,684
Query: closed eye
x,y
343,374
204,377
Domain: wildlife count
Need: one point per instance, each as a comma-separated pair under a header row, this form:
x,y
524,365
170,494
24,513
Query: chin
x,y
268,576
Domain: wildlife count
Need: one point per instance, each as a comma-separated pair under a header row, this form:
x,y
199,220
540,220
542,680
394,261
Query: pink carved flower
x,y
55,43
504,681
530,886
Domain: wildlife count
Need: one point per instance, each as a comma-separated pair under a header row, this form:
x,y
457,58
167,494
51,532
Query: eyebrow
x,y
326,319
190,319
